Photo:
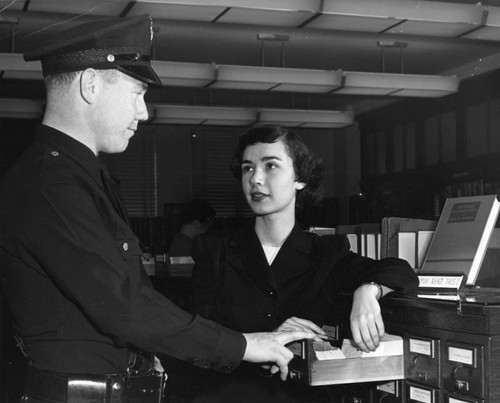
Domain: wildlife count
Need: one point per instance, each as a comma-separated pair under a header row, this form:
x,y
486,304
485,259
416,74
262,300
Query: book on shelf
x,y
461,237
353,241
372,242
364,238
424,239
391,226
407,247
413,246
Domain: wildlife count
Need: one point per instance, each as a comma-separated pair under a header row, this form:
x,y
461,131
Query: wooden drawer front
x,y
389,392
454,398
416,393
463,368
422,359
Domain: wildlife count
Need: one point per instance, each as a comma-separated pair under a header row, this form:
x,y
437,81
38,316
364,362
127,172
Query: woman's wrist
x,y
380,290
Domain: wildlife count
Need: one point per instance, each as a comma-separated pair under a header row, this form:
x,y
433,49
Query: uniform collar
x,y
68,146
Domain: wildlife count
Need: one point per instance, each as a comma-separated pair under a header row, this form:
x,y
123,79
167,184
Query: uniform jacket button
x,y
54,153
125,246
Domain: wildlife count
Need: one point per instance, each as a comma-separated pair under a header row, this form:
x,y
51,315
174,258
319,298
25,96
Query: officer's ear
x,y
89,82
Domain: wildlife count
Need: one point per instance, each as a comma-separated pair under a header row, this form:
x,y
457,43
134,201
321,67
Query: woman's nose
x,y
256,178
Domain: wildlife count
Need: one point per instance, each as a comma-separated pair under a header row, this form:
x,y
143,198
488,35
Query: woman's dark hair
x,y
308,167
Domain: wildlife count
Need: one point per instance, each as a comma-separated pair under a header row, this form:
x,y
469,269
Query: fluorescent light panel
x,y
491,29
227,116
429,28
80,7
181,11
484,33
272,78
13,66
274,18
409,17
283,13
359,83
277,79
203,115
306,118
184,74
352,23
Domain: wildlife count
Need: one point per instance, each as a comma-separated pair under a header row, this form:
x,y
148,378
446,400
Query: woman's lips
x,y
257,196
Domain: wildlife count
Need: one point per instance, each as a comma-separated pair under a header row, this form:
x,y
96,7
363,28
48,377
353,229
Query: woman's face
x,y
268,178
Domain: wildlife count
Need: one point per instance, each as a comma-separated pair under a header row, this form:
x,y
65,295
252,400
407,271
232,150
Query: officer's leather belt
x,y
115,388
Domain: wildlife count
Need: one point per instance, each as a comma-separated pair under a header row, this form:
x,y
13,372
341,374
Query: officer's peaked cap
x,y
118,43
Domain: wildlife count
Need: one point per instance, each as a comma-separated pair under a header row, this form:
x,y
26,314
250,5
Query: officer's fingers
x,y
282,359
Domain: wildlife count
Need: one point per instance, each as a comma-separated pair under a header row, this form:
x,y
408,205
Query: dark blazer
x,y
71,272
234,284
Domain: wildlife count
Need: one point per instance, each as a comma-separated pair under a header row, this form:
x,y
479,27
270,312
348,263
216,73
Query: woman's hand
x,y
304,325
367,326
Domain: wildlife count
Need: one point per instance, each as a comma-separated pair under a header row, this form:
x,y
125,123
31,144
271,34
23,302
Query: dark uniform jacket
x,y
71,271
234,284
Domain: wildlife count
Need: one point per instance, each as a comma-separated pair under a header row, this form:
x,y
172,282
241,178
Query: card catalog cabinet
x,y
451,350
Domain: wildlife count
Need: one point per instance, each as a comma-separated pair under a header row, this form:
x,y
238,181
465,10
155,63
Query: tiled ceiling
x,y
440,38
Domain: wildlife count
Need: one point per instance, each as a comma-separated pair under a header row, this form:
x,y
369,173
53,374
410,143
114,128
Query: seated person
x,y
274,275
197,217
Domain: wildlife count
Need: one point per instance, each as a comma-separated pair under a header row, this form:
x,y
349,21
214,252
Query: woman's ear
x,y
300,185
88,85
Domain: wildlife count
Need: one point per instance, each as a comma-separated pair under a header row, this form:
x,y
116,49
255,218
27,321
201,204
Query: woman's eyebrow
x,y
265,158
270,157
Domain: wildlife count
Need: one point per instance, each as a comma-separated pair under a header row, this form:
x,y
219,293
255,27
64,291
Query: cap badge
x,y
110,58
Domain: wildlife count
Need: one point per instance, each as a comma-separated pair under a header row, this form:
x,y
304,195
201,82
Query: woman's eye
x,y
246,168
271,165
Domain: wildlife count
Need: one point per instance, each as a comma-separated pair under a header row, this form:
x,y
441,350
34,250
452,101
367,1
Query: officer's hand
x,y
270,348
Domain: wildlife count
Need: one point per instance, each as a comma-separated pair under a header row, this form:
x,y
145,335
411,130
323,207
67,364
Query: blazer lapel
x,y
245,254
293,259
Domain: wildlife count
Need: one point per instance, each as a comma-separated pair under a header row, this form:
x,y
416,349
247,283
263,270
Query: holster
x,y
111,388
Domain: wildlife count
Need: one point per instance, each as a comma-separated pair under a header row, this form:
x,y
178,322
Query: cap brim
x,y
141,72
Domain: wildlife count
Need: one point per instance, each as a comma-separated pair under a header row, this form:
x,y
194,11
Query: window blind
x,y
212,177
135,171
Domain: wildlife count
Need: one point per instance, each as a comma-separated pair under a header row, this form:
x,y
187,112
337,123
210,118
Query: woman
x,y
274,275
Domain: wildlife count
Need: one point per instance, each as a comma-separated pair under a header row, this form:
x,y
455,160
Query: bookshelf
x,y
417,153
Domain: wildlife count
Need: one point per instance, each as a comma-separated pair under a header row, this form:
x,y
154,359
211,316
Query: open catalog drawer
x,y
320,363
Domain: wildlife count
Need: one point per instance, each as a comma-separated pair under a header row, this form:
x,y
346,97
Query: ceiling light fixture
x,y
230,116
272,78
12,65
409,17
400,85
276,79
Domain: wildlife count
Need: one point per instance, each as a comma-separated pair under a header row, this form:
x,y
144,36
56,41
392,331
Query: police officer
x,y
70,266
